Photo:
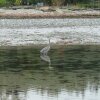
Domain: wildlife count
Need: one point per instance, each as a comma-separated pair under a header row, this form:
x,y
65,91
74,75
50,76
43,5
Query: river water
x,y
37,31
73,73
68,72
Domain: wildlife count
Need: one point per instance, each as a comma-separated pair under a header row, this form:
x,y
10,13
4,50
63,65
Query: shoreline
x,y
46,16
38,13
44,45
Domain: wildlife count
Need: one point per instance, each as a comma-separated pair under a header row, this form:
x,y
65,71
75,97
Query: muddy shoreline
x,y
38,13
35,16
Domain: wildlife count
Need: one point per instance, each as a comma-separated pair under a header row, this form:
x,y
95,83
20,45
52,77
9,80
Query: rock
x,y
46,9
40,4
59,10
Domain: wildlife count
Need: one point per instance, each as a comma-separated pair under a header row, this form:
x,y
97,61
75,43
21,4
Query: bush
x,y
89,5
10,2
2,2
18,2
32,2
58,2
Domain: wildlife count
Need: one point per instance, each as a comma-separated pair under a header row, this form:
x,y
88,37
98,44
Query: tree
x,y
18,2
10,2
2,2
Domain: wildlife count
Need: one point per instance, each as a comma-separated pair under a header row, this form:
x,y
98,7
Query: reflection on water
x,y
25,76
47,59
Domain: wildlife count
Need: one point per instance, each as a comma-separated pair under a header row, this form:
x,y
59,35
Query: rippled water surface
x,y
72,73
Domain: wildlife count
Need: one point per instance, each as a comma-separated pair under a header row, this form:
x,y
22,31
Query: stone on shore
x,y
47,9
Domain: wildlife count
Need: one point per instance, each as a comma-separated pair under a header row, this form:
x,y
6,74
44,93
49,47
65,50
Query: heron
x,y
44,55
45,50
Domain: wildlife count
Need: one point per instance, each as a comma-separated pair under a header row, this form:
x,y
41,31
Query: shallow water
x,y
37,31
74,73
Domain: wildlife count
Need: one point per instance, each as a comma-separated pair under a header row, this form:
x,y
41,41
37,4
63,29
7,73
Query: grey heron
x,y
44,55
45,50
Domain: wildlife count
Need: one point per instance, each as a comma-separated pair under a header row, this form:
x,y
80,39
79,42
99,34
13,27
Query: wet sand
x,y
58,13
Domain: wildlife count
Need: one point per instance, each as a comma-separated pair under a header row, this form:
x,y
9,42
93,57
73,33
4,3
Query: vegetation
x,y
18,2
80,3
2,2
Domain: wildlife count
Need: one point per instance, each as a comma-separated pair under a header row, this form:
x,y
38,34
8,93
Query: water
x,y
66,73
37,31
74,73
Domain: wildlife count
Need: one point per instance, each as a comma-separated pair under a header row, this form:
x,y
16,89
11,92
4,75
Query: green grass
x,y
2,2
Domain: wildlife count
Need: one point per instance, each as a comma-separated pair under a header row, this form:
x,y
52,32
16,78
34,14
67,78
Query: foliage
x,y
31,2
80,3
10,2
89,5
58,2
2,2
18,2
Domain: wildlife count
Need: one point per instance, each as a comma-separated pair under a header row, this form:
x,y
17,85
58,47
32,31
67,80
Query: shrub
x,y
32,1
18,2
58,2
10,2
2,2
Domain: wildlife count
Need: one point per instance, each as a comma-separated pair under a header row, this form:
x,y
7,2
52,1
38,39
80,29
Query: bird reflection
x,y
47,59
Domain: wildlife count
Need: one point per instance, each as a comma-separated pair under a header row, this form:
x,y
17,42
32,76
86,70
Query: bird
x,y
45,50
44,55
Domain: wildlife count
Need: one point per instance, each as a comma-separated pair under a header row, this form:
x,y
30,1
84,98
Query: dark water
x,y
72,74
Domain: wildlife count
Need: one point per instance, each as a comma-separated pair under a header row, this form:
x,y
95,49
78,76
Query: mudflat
x,y
48,12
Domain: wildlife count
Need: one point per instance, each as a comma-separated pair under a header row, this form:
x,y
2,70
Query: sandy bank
x,y
41,13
